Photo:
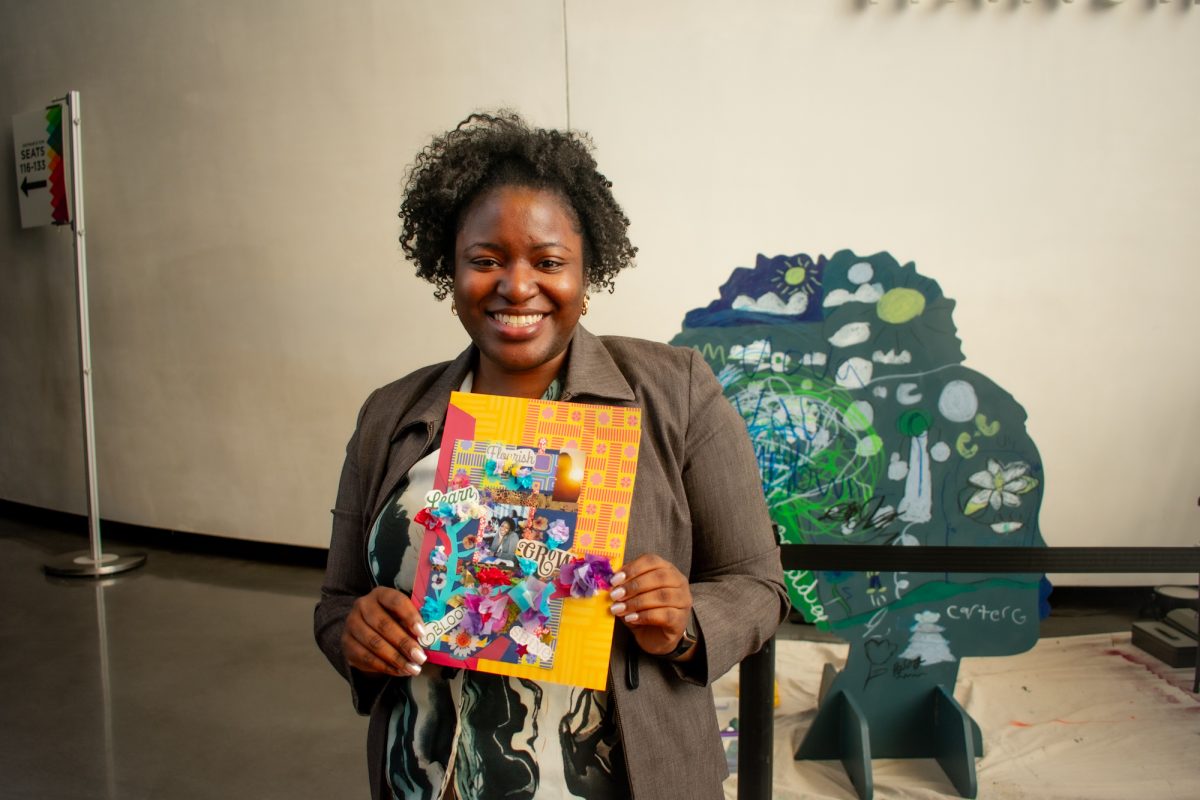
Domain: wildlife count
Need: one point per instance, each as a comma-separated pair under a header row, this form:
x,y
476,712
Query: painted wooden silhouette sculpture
x,y
868,429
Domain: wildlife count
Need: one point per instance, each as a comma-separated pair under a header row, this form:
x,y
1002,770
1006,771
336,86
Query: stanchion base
x,y
80,564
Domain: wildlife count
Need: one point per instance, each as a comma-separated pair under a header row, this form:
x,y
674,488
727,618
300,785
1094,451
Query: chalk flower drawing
x,y
1000,486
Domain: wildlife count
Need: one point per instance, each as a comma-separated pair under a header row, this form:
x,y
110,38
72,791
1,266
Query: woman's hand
x,y
382,632
653,599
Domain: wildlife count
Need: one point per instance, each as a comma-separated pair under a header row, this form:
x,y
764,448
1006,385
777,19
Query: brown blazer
x,y
697,502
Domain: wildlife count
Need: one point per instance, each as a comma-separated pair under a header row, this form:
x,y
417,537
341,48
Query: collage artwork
x,y
525,525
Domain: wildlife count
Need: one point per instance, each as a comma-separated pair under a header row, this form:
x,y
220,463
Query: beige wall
x,y
243,163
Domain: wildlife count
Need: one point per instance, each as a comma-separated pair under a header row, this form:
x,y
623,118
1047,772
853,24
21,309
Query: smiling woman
x,y
517,225
518,287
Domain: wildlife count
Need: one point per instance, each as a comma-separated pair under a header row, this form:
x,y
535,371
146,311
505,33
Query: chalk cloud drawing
x,y
849,375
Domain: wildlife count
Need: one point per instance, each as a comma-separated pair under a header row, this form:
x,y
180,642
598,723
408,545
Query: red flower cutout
x,y
493,576
424,517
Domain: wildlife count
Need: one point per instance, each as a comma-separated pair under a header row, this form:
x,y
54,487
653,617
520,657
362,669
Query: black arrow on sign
x,y
26,185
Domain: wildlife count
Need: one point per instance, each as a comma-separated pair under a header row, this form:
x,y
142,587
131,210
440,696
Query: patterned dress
x,y
504,737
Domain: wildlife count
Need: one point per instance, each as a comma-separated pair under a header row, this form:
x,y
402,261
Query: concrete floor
x,y
196,676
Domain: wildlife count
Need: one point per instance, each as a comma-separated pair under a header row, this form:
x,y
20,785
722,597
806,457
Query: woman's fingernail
x,y
617,608
415,669
617,579
631,617
417,656
617,594
420,630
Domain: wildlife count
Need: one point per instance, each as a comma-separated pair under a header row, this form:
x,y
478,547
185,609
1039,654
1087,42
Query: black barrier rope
x,y
892,558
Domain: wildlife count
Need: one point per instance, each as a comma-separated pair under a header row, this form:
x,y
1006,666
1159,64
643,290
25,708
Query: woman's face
x,y
518,279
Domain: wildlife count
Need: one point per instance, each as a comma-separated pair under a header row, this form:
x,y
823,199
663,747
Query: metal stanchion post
x,y
92,563
756,724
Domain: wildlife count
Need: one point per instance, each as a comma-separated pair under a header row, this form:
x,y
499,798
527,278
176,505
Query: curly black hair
x,y
489,150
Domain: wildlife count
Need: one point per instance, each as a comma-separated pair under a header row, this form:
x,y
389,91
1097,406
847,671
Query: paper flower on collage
x,y
512,475
426,518
582,577
558,533
532,597
493,577
534,528
486,616
462,642
431,609
533,621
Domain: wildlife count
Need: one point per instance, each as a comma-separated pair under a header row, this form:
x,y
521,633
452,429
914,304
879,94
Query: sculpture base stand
x,y
957,741
80,564
841,732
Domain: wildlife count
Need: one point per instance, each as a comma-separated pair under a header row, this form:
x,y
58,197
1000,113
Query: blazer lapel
x,y
414,432
592,373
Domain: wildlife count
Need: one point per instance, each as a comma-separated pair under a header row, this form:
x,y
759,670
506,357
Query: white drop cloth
x,y
1087,717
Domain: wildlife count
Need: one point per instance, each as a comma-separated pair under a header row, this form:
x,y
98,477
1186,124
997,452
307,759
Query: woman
x,y
507,536
517,225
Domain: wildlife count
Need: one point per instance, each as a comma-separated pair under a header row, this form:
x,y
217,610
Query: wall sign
x,y
40,151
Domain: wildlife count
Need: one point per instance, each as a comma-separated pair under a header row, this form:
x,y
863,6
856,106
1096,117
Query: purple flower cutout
x,y
583,576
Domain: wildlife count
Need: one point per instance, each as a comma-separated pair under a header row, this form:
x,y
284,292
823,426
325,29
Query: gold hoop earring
x,y
586,300
453,309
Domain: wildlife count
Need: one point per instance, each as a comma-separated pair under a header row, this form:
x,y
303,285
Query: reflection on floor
x,y
197,677
193,677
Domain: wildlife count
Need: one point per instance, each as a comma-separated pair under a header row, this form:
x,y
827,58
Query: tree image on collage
x,y
868,429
